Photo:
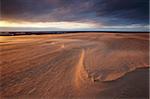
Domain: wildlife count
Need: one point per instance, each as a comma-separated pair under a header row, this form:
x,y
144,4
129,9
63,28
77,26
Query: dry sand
x,y
78,66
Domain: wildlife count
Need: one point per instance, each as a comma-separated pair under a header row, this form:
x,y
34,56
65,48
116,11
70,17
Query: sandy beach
x,y
75,66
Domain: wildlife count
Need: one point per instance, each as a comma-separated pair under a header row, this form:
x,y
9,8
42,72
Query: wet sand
x,y
78,66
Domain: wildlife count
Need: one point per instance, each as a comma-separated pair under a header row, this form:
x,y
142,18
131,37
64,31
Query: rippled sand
x,y
82,65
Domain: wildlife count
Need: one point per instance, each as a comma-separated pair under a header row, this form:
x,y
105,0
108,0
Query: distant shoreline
x,y
15,33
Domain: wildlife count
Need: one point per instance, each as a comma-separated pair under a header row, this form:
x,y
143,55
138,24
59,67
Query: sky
x,y
74,15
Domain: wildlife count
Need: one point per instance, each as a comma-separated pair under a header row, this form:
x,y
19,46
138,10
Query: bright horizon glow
x,y
67,26
61,25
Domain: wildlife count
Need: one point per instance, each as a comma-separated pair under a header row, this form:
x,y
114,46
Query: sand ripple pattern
x,y
82,65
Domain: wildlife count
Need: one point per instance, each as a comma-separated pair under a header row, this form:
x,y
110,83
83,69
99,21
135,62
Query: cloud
x,y
129,11
61,25
114,12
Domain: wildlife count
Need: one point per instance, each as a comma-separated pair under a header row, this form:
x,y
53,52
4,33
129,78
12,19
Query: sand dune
x,y
82,65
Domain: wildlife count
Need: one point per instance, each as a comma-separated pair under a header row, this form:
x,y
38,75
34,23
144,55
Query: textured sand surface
x,y
82,65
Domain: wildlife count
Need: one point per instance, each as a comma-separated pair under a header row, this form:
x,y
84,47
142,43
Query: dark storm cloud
x,y
99,11
24,8
133,11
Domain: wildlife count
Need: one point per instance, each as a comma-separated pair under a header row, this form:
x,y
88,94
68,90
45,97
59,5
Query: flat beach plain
x,y
75,65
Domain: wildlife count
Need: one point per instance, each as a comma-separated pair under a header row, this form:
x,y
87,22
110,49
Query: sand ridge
x,y
82,65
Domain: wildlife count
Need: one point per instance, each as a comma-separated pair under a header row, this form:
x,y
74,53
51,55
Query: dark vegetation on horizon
x,y
59,32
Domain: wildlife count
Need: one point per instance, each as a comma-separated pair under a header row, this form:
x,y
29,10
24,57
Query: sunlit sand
x,y
79,65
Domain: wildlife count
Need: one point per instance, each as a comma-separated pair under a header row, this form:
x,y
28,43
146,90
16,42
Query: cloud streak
x,y
100,12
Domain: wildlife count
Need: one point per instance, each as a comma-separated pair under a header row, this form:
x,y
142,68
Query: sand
x,y
75,66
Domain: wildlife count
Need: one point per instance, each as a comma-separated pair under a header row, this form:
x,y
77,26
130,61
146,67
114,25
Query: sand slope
x,y
82,65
